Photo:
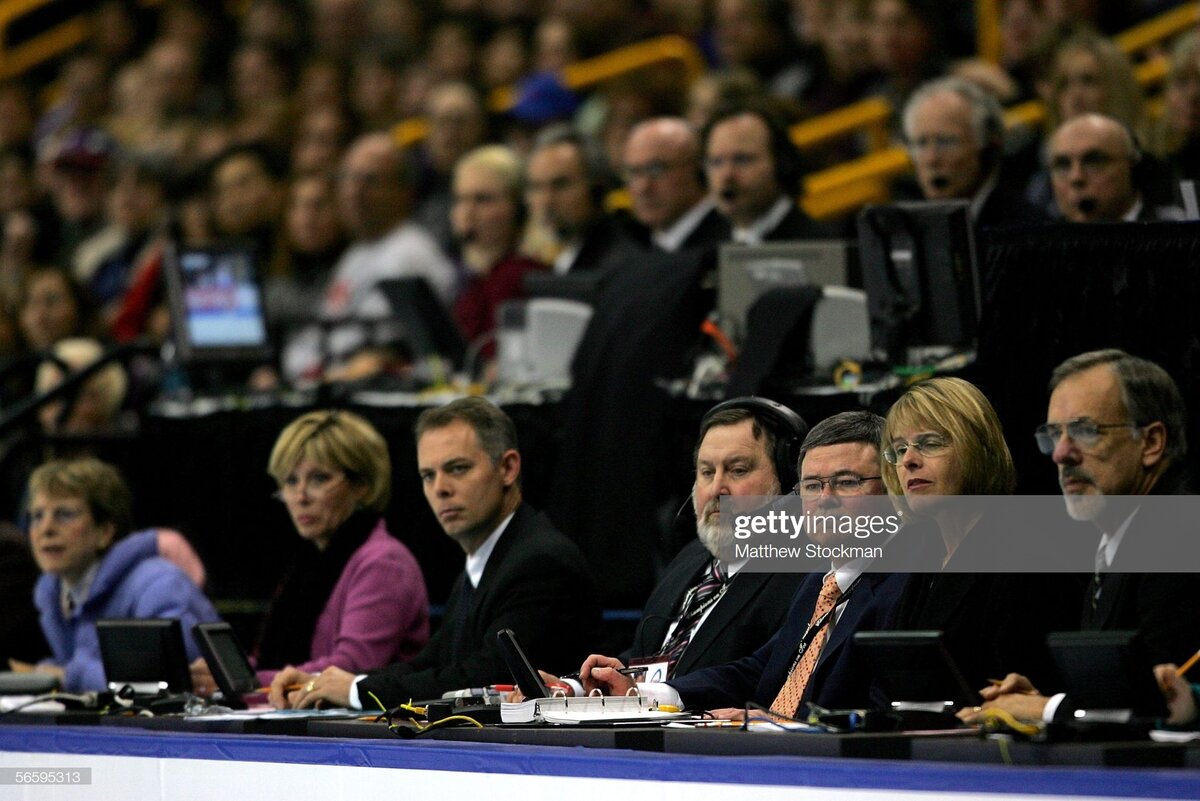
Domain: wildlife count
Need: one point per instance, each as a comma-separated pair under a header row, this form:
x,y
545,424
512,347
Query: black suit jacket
x,y
750,611
841,678
797,225
1164,607
603,242
712,230
535,583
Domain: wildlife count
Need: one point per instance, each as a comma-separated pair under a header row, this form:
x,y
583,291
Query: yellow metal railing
x,y
20,57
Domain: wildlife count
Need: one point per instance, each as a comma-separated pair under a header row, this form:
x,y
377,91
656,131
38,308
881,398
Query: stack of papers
x,y
593,709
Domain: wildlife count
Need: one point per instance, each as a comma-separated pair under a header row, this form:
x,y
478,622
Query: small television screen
x,y
428,328
915,666
922,279
1107,670
227,661
144,652
217,307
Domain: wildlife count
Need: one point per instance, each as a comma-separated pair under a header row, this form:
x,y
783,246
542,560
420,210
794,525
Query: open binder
x,y
593,709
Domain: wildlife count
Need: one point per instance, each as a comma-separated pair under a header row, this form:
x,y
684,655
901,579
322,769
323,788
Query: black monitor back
x,y
1104,670
921,276
428,327
144,652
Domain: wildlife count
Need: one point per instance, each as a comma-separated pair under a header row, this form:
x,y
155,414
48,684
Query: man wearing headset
x,y
662,171
955,136
754,173
705,611
1093,161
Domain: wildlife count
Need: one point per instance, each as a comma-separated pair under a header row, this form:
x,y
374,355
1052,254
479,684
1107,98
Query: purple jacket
x,y
377,614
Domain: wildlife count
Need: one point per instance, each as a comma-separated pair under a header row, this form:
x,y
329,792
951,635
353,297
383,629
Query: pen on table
x,y
632,671
1188,665
290,688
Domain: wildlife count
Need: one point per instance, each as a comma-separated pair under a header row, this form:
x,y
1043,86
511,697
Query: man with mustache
x,y
754,173
1116,427
747,446
955,136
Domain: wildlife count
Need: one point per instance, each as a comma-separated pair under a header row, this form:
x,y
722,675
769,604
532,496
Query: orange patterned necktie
x,y
788,700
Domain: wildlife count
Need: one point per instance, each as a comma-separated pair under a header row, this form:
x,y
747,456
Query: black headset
x,y
788,427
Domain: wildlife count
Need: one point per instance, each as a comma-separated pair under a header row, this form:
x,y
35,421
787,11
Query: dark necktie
x,y
695,604
461,612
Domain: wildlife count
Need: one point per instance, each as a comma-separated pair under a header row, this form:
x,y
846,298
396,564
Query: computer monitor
x,y
428,329
746,272
147,654
1107,670
227,661
217,312
915,666
922,279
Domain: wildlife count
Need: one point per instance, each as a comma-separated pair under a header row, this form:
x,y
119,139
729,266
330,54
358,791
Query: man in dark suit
x,y
565,184
662,170
955,136
754,175
1116,427
839,461
521,573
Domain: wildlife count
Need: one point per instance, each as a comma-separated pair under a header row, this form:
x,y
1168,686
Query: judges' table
x,y
135,764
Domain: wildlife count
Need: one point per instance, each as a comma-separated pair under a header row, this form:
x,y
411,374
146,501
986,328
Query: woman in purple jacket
x,y
354,596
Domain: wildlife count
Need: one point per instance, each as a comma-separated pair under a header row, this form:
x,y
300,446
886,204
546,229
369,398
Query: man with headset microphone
x,y
704,610
754,175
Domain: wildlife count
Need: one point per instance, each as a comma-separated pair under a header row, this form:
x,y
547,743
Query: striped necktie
x,y
695,604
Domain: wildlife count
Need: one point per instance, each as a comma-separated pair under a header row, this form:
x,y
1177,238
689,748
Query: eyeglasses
x,y
1091,162
316,484
1082,431
838,485
939,143
926,445
651,169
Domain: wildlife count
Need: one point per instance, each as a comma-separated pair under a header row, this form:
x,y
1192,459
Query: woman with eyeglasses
x,y
354,595
80,514
943,438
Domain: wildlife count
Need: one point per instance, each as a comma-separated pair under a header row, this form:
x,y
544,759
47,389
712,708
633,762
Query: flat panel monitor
x,y
427,326
144,653
915,666
227,661
745,272
217,311
922,279
1107,670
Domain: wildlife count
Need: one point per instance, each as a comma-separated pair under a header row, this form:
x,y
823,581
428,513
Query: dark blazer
x,y
602,242
750,611
841,679
535,583
992,623
1164,607
711,231
797,225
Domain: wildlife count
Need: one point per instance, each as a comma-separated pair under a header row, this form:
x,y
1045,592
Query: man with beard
x,y
810,658
705,610
1116,427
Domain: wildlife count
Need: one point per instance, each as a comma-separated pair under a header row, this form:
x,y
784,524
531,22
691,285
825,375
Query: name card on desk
x,y
593,709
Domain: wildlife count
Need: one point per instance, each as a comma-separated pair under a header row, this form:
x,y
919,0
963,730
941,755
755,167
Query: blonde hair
x,y
960,412
501,161
1124,99
78,353
99,484
337,439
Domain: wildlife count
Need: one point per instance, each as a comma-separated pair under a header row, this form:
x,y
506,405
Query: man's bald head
x,y
1091,159
661,168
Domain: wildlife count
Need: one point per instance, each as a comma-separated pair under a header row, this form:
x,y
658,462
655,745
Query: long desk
x,y
174,759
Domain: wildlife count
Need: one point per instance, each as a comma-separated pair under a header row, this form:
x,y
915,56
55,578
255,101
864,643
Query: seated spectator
x,y
486,216
99,401
1094,166
457,125
79,516
1178,138
354,596
51,308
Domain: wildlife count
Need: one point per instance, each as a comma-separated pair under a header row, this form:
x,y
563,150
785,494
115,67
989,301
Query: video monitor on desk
x,y
746,272
1107,670
147,654
427,326
217,311
922,279
227,661
915,667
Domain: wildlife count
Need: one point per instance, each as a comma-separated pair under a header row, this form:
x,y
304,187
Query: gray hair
x,y
1148,391
987,116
